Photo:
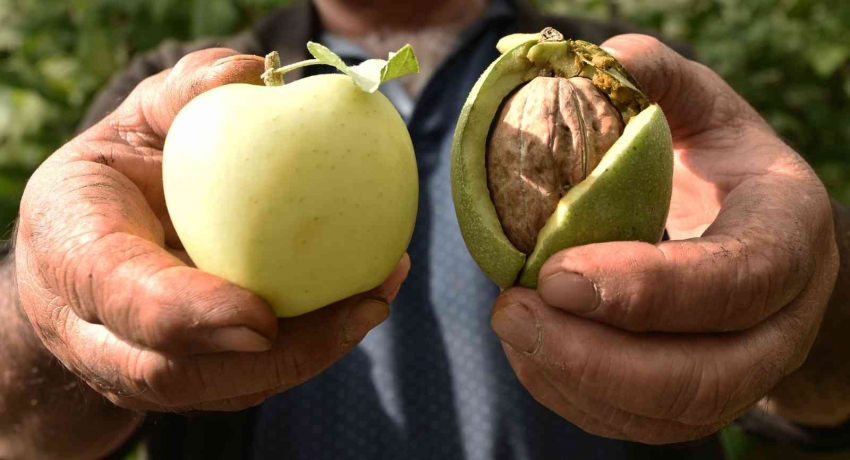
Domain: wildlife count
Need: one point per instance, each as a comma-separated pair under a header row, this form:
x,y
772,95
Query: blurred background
x,y
789,58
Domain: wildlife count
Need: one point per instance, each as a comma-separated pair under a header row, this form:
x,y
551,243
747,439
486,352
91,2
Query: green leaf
x,y
400,64
327,56
369,74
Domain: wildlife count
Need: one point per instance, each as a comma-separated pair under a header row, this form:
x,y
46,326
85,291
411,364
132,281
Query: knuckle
x,y
635,310
794,334
639,307
153,323
76,284
46,312
156,319
131,121
152,375
60,319
136,369
132,300
130,125
73,277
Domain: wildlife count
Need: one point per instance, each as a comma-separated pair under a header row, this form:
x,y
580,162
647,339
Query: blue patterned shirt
x,y
432,382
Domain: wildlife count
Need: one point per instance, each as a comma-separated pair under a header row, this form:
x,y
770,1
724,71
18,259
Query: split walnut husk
x,y
556,146
553,131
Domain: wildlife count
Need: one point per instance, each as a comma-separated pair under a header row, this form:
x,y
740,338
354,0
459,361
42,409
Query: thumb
x,y
197,73
152,106
693,97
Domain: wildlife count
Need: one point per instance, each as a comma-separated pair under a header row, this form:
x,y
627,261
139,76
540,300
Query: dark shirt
x,y
432,382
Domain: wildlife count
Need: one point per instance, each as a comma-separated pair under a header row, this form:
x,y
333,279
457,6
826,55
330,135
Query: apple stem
x,y
273,76
283,70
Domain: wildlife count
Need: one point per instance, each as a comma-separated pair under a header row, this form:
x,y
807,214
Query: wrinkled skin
x,y
548,136
107,287
669,342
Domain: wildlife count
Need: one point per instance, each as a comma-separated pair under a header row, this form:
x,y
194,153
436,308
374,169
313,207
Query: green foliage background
x,y
789,58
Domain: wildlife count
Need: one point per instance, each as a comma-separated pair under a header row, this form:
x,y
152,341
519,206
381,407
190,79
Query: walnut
x,y
548,136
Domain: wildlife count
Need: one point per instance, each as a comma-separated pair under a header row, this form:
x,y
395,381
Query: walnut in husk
x,y
556,147
547,137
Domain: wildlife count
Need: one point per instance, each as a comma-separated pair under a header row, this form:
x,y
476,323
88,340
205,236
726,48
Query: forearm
x,y
819,392
45,411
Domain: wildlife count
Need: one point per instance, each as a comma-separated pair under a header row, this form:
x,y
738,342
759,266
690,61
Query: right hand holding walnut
x,y
104,282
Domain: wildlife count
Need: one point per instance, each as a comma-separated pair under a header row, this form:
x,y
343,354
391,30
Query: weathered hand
x,y
107,289
669,342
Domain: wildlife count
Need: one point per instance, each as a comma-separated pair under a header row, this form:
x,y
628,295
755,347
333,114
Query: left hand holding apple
x,y
669,342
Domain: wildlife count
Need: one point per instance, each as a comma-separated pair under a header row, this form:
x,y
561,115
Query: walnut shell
x,y
548,136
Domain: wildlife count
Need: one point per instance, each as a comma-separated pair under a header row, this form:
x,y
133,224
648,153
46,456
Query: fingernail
x,y
363,318
518,327
239,339
238,57
569,291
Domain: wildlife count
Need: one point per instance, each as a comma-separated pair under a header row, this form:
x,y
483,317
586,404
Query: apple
x,y
304,193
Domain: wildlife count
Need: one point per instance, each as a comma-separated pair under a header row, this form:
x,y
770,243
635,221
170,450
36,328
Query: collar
x,y
352,53
496,10
288,29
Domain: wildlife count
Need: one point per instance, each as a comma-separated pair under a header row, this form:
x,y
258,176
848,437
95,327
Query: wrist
x,y
45,410
818,394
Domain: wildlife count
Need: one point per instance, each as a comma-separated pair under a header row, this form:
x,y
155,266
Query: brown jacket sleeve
x,y
153,62
285,30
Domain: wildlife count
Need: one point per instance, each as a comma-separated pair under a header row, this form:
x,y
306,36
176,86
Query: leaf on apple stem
x,y
369,75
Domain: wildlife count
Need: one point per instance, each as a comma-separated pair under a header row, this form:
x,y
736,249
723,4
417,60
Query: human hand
x,y
669,342
107,288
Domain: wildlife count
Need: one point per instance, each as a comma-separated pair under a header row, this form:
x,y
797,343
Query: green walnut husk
x,y
625,197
